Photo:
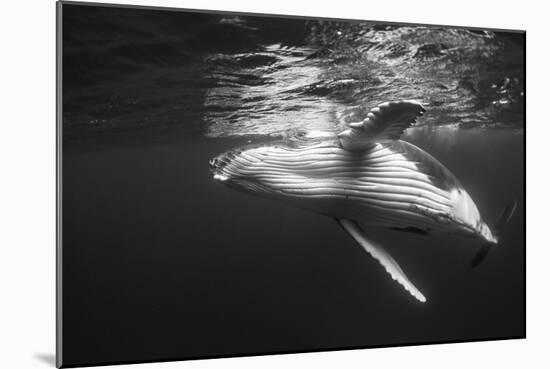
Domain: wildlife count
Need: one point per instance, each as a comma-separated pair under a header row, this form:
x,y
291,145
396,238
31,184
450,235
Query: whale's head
x,y
238,169
279,170
218,164
222,168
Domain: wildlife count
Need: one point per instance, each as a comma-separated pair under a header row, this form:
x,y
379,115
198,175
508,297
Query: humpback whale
x,y
364,175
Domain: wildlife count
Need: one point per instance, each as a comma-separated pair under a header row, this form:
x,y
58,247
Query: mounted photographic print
x,y
242,184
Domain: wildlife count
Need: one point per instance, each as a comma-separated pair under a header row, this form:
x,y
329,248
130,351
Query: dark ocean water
x,y
161,262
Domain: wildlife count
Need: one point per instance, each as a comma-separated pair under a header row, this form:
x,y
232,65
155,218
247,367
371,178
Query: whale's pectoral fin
x,y
385,122
380,254
501,223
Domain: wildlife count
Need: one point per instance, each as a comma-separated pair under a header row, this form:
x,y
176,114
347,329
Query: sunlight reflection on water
x,y
275,105
234,76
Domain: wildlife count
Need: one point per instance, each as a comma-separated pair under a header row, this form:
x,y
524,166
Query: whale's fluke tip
x,y
502,221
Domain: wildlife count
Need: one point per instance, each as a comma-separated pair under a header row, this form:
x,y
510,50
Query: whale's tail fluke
x,y
502,221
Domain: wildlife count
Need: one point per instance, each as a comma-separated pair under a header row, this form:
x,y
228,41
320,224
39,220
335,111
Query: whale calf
x,y
363,175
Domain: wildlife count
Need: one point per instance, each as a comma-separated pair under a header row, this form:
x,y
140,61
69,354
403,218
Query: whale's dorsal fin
x,y
385,122
383,257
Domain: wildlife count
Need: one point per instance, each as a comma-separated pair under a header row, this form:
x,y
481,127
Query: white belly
x,y
393,184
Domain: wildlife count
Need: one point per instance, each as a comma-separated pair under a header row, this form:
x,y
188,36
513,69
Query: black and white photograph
x,y
235,184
